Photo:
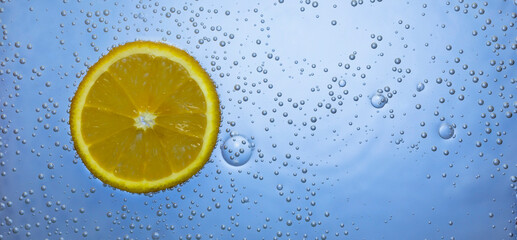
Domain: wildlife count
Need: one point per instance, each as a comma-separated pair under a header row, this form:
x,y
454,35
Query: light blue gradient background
x,y
350,166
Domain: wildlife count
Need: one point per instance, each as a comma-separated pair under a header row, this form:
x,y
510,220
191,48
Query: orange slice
x,y
145,117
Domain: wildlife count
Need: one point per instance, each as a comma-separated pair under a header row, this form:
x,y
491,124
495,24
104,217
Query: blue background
x,y
326,164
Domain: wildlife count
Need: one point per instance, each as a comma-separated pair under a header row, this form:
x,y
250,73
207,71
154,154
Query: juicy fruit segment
x,y
145,119
135,87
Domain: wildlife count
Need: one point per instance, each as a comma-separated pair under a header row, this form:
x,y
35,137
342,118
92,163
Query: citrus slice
x,y
145,117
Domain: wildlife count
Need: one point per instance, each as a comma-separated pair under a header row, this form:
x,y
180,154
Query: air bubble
x,y
237,150
446,131
420,86
378,100
496,161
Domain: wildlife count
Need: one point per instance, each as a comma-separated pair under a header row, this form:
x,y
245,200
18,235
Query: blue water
x,y
360,120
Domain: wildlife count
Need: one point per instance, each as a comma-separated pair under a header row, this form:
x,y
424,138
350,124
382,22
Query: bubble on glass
x,y
446,131
496,161
237,150
378,100
420,86
342,83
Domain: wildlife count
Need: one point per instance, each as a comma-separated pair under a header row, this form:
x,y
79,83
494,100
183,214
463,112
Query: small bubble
x,y
420,86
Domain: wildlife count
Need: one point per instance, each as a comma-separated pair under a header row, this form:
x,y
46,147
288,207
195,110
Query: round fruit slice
x,y
145,117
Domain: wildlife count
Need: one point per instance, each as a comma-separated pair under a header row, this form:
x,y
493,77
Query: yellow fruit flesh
x,y
144,118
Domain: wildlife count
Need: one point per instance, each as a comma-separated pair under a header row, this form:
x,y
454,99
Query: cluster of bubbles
x,y
379,99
